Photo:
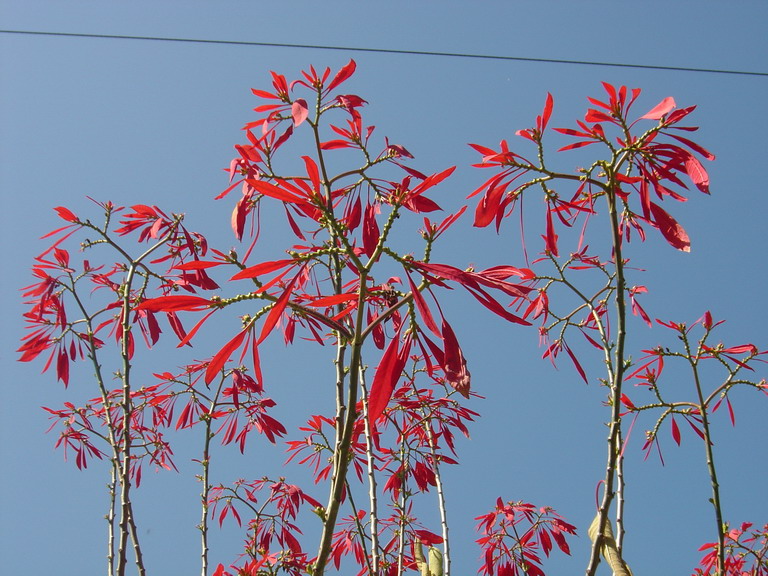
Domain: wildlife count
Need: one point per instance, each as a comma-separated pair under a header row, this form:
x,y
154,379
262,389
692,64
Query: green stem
x,y
616,367
716,503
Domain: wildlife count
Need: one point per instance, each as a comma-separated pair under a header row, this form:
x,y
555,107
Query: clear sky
x,y
155,122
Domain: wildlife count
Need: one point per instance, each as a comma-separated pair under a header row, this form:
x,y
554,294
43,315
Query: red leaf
x,y
299,111
454,364
223,355
62,367
421,204
342,75
176,325
186,339
730,411
693,146
661,109
273,191
239,213
697,173
332,300
422,307
174,303
335,144
263,268
488,207
353,213
670,229
371,232
546,114
277,309
550,240
197,265
579,369
386,377
675,431
313,173
627,402
428,538
65,214
695,428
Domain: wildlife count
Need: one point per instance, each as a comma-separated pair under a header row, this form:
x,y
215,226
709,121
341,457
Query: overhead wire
x,y
384,51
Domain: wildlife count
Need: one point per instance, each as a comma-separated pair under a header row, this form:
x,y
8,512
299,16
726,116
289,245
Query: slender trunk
x,y
372,494
716,503
441,503
111,521
616,378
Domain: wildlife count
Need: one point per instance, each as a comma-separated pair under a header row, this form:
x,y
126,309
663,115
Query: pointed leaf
x,y
675,432
174,303
386,377
342,75
223,355
661,109
261,269
670,229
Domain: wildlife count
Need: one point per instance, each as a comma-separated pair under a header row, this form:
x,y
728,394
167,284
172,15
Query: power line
x,y
384,51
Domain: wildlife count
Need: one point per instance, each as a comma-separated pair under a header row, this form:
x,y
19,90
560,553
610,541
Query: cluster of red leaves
x,y
514,536
746,553
294,287
273,539
234,413
83,428
394,530
414,437
648,371
647,165
57,288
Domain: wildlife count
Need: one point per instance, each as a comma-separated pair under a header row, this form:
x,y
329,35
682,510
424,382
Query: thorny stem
x,y
716,503
440,500
346,400
118,472
345,408
126,513
127,523
403,500
374,514
616,367
110,517
345,423
360,529
620,496
205,462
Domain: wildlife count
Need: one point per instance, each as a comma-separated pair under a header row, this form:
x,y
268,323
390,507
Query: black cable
x,y
384,51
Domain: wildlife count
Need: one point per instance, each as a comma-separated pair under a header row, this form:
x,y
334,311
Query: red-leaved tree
x,y
349,281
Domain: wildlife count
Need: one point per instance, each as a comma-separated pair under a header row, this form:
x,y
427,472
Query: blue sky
x,y
150,122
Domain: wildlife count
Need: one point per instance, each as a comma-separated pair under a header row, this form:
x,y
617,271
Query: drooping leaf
x,y
371,232
670,229
453,362
608,549
675,431
386,377
277,310
422,307
697,173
